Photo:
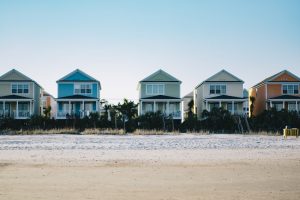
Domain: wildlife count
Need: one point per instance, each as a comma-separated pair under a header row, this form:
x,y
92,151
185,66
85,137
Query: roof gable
x,y
14,75
160,76
283,76
77,75
222,76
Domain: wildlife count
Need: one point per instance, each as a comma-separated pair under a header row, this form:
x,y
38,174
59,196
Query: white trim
x,y
287,100
215,85
287,89
80,84
19,83
155,84
80,100
161,100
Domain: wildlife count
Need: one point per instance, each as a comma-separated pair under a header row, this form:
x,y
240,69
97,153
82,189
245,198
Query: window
x,y
290,89
155,89
292,106
82,88
212,89
19,89
217,89
14,89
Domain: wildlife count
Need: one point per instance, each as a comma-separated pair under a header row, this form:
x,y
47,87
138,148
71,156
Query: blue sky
x,y
121,42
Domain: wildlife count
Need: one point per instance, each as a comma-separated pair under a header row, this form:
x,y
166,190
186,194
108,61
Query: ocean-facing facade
x,y
78,95
160,92
220,90
280,91
20,96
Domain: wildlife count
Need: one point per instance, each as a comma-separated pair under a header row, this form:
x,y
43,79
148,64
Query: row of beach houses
x,y
79,95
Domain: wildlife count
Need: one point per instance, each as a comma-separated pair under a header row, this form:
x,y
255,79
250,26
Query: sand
x,y
235,172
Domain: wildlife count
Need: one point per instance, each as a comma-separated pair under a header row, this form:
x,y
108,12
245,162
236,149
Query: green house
x,y
20,96
160,92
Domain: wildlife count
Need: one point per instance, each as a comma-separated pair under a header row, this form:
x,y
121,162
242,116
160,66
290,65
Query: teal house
x,y
78,95
160,92
20,96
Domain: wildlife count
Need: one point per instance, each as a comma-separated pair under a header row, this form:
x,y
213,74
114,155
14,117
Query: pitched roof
x,y
77,96
13,97
160,97
83,77
226,97
275,76
223,71
155,77
286,97
15,75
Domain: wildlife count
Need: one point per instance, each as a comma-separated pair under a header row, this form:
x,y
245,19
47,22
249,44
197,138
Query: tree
x,y
128,111
47,112
190,109
252,101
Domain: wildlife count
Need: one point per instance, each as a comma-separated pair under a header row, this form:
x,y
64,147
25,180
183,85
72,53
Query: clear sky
x,y
120,42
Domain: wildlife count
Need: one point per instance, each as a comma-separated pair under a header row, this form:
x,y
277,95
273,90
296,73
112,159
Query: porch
x,y
234,105
284,102
76,108
167,107
16,108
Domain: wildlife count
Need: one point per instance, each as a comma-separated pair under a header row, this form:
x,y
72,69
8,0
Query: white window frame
x,y
79,87
287,90
158,92
19,84
215,89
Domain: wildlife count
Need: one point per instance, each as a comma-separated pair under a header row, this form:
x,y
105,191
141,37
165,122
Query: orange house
x,y
280,91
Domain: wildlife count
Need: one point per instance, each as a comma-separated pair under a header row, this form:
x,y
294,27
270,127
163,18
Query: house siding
x,y
171,89
5,89
37,100
65,89
267,90
203,91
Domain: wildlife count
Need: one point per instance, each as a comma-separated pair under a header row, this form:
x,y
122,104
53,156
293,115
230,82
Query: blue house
x,y
78,95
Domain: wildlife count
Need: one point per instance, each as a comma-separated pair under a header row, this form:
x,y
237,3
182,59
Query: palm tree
x,y
128,111
252,101
47,112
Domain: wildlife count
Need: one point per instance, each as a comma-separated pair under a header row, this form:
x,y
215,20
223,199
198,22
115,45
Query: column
x,y
283,104
30,108
297,106
33,107
141,108
3,107
83,109
17,109
271,104
220,104
232,103
69,107
168,108
154,106
206,105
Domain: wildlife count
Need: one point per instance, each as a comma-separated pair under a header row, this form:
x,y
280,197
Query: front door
x,y
77,108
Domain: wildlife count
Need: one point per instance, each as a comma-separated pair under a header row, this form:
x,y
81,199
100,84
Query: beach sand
x,y
163,174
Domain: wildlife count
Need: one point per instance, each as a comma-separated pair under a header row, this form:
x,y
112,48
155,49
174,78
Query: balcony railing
x,y
81,114
22,114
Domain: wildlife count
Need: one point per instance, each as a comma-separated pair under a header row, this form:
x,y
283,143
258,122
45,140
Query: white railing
x,y
24,114
81,114
176,114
